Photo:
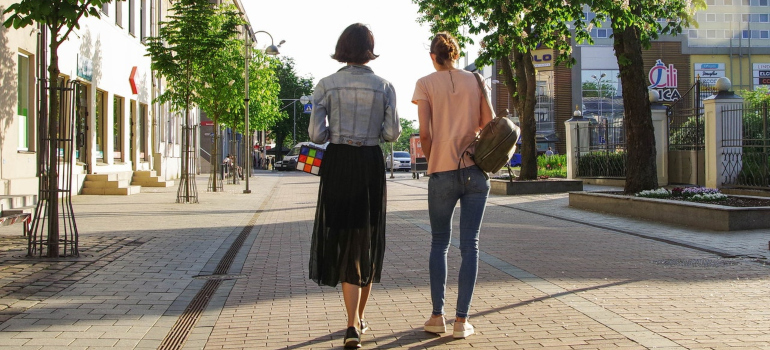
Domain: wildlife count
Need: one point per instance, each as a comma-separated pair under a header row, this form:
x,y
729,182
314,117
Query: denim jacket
x,y
354,107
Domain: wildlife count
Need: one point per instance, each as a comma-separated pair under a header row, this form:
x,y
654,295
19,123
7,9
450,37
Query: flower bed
x,y
693,194
698,208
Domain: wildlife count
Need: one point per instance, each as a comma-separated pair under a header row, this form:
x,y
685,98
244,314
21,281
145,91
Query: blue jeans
x,y
471,187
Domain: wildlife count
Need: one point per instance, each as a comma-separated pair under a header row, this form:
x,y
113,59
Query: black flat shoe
x,y
352,338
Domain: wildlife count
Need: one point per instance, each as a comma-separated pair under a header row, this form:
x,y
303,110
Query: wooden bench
x,y
10,217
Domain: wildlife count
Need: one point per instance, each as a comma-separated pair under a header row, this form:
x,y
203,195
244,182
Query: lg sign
x,y
664,80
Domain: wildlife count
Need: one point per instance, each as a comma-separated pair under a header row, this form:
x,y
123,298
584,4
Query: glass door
x,y
81,123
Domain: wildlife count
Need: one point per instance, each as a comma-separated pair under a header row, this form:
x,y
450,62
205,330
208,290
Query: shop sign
x,y
85,68
761,73
543,59
664,80
132,81
709,72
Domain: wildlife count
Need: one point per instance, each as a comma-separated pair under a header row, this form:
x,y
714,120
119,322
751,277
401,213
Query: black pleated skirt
x,y
348,241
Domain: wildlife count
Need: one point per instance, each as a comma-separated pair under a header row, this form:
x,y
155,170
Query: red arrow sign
x,y
132,82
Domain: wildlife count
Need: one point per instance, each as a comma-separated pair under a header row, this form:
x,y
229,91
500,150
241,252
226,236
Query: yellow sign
x,y
543,59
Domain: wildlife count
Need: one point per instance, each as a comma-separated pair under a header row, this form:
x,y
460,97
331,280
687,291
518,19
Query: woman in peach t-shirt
x,y
452,110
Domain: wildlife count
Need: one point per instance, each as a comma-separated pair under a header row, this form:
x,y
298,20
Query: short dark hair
x,y
355,45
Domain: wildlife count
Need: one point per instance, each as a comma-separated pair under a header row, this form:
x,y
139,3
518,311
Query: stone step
x,y
122,176
16,201
110,184
150,183
145,174
105,184
148,178
120,191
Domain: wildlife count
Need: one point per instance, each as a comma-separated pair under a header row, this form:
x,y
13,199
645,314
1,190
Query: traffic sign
x,y
308,108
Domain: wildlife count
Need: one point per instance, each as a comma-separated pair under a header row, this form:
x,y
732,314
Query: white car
x,y
403,158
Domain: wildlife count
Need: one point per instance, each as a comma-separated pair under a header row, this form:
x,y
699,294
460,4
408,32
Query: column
x,y
724,134
577,141
660,124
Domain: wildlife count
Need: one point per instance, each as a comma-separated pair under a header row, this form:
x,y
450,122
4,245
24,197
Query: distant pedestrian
x,y
352,109
549,152
451,108
227,163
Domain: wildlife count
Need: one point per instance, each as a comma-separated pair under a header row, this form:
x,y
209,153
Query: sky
x,y
311,30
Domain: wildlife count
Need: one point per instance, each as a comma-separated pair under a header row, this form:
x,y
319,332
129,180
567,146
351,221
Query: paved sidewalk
x,y
591,281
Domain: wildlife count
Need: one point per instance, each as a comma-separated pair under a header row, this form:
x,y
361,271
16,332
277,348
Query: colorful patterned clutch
x,y
309,159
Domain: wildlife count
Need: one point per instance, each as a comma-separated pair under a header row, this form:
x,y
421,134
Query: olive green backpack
x,y
496,143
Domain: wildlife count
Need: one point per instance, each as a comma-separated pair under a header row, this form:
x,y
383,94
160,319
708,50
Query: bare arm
x,y
424,114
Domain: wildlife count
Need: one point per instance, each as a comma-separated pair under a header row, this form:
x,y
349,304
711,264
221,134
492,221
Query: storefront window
x,y
544,113
117,127
22,110
602,95
101,101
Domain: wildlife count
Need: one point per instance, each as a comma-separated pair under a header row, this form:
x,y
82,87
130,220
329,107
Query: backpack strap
x,y
483,89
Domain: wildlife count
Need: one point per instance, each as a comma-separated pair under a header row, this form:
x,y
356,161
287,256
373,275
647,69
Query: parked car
x,y
403,158
289,161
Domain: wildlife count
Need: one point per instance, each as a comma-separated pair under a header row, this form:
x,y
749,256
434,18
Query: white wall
x,y
17,168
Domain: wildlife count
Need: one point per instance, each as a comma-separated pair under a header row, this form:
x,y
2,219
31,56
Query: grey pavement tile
x,y
543,282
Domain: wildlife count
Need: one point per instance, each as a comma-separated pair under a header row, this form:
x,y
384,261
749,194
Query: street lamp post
x,y
271,50
599,89
303,100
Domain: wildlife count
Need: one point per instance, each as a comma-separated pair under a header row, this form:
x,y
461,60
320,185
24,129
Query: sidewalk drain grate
x,y
696,262
176,338
218,277
177,335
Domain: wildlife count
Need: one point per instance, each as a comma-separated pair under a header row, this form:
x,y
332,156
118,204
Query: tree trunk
x,y
641,172
522,90
53,148
279,139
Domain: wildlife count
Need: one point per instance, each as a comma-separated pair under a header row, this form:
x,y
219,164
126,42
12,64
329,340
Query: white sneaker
x,y
462,330
435,325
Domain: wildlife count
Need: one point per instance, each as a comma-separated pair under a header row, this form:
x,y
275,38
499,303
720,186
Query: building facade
x,y
732,40
118,127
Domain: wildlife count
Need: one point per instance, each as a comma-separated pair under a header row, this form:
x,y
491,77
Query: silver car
x,y
402,157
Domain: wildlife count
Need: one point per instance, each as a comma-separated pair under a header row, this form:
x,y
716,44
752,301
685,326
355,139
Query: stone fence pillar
x,y
660,124
577,141
723,134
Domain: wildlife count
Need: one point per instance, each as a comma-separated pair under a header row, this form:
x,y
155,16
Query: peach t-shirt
x,y
458,112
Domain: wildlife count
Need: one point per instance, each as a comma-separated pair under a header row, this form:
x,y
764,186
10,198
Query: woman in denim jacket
x,y
451,112
353,109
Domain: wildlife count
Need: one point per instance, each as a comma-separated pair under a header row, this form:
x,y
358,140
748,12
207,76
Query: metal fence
x,y
685,118
746,145
605,153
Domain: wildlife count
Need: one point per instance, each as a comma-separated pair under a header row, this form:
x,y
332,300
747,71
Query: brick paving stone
x,y
543,282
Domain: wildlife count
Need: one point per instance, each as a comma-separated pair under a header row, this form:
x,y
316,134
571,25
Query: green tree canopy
x,y
293,87
264,106
635,23
189,40
217,96
407,129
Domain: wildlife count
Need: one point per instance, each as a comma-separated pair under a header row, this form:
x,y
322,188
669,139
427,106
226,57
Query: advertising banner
x,y
709,72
